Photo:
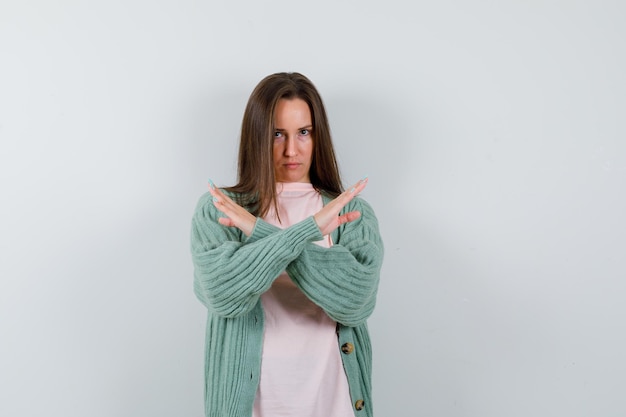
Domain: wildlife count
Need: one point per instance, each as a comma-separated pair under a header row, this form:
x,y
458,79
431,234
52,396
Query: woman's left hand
x,y
328,218
236,216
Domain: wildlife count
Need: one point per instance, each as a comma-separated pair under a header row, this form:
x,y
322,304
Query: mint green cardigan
x,y
231,271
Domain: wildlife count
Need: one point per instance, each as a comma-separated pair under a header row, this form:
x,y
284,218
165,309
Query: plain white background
x,y
492,132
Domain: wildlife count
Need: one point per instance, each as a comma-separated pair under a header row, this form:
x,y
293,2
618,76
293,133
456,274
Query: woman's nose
x,y
290,147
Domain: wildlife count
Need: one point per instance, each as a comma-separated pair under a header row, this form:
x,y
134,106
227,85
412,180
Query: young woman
x,y
287,264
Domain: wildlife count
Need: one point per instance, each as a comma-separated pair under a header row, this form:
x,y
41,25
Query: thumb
x,y
225,221
349,217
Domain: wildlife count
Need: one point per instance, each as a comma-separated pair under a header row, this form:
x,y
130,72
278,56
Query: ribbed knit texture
x,y
232,271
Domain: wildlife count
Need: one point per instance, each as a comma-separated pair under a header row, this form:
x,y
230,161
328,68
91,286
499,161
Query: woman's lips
x,y
291,165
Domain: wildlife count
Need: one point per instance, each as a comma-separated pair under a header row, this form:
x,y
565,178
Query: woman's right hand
x,y
236,216
328,218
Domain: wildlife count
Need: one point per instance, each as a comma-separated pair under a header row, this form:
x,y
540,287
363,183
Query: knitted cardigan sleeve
x,y
230,271
342,279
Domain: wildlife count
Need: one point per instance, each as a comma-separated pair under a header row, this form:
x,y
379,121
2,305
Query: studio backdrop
x,y
493,136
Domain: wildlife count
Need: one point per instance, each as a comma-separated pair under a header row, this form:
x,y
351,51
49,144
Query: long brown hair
x,y
256,186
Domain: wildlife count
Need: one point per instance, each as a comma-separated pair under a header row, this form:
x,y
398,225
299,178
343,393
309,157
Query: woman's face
x,y
293,141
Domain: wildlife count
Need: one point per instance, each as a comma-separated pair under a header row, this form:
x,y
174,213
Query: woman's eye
x,y
304,132
278,135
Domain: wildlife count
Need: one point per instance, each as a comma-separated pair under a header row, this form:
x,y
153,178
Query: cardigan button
x,y
347,348
359,405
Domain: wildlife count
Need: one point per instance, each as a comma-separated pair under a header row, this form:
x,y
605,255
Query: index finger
x,y
358,187
345,197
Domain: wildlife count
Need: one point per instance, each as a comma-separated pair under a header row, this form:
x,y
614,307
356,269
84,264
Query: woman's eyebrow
x,y
280,129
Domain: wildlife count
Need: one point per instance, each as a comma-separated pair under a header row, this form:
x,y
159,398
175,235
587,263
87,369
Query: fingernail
x,y
364,178
353,190
216,200
211,184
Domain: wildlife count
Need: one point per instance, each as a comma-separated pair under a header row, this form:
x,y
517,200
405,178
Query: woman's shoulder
x,y
359,201
204,199
365,226
362,206
205,202
205,206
